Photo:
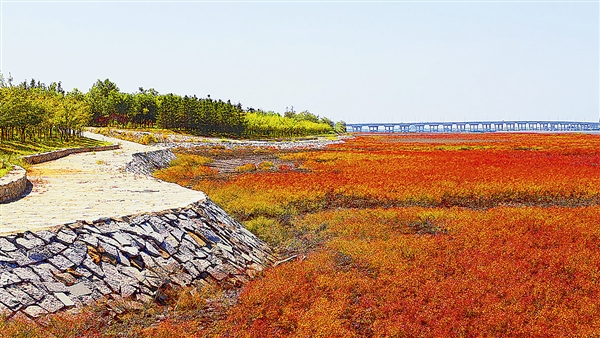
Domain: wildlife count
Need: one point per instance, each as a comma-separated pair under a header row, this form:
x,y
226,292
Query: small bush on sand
x,y
246,168
266,165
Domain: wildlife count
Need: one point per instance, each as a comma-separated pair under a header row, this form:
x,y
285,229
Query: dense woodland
x,y
31,110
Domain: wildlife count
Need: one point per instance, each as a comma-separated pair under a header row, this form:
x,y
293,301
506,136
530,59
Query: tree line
x,y
33,109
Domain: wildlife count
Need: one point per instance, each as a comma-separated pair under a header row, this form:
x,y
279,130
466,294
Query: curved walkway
x,y
89,186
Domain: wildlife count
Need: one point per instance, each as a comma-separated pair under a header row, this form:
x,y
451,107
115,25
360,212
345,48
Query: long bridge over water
x,y
473,126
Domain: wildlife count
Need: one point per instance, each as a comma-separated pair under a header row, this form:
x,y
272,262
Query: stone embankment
x,y
147,162
173,236
53,155
130,257
13,184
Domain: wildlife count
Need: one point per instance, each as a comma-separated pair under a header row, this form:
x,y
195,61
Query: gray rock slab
x,y
90,239
66,236
55,286
34,311
5,245
20,257
56,247
189,243
133,272
26,274
201,264
171,217
135,230
111,250
92,267
9,300
129,286
101,287
20,295
45,235
33,291
66,300
83,272
130,251
177,234
109,240
76,253
45,271
112,276
6,259
183,279
40,253
225,247
146,227
147,259
51,304
61,262
92,229
184,255
8,278
157,237
121,259
170,249
152,250
29,244
158,224
79,289
121,238
191,269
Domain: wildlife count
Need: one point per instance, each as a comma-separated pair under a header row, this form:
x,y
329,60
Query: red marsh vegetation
x,y
407,236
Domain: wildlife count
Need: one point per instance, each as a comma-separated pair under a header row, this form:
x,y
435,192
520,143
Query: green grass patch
x,y
18,149
12,151
4,171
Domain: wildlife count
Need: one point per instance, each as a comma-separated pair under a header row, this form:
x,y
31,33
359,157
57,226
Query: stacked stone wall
x,y
147,162
53,155
131,257
13,184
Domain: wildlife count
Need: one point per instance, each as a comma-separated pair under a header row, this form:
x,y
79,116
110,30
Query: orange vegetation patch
x,y
400,255
396,236
506,271
508,169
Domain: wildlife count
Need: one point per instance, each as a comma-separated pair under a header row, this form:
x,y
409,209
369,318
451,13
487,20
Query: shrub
x,y
147,139
190,160
248,167
266,165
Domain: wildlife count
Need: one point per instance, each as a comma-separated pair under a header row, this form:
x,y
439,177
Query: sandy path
x,y
89,186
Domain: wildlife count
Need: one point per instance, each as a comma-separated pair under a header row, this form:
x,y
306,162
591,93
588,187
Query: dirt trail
x,y
89,186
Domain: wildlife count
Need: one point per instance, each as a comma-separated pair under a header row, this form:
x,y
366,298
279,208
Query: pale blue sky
x,y
358,62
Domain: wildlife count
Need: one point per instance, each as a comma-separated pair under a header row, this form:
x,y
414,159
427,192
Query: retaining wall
x,y
147,162
53,155
13,184
131,257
